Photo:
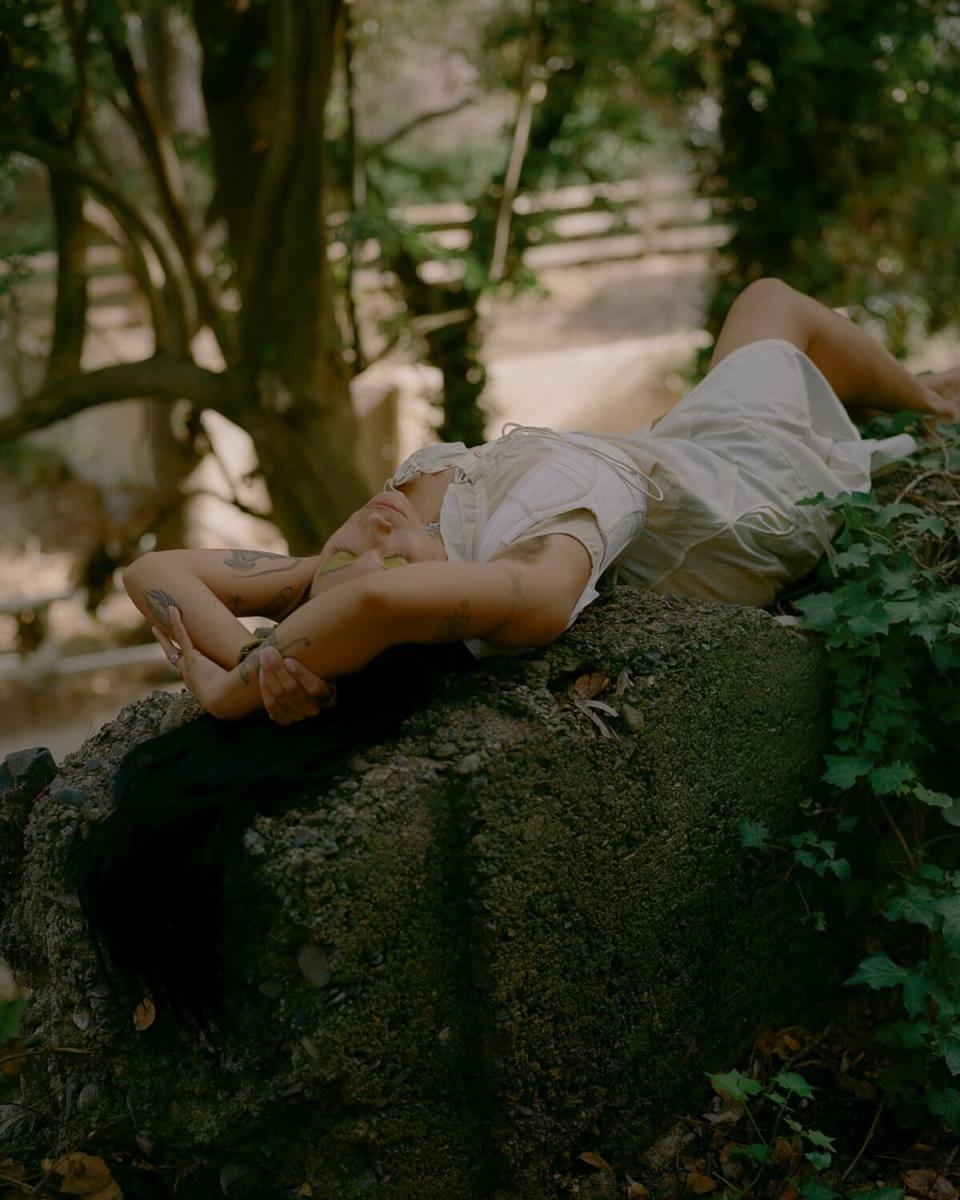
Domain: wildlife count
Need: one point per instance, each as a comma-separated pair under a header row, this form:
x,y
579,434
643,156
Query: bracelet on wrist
x,y
254,642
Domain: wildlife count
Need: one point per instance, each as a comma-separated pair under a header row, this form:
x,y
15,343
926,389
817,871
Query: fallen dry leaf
x,y
595,1160
144,1014
83,1174
784,1149
636,1191
701,1184
929,1184
623,681
588,686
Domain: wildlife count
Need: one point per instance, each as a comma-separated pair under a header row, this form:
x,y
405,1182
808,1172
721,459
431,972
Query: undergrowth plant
x,y
886,827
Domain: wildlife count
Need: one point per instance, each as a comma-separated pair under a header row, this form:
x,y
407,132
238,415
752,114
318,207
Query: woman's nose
x,y
379,527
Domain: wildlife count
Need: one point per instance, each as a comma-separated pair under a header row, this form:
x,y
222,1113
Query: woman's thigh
x,y
766,308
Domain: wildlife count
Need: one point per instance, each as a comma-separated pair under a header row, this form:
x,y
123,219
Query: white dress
x,y
700,502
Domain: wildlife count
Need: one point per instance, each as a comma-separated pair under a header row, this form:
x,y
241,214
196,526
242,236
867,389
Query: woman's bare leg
x,y
858,368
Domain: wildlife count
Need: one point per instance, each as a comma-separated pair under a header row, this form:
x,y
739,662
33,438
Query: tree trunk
x,y
267,132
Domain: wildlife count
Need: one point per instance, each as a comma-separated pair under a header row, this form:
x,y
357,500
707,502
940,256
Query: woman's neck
x,y
426,492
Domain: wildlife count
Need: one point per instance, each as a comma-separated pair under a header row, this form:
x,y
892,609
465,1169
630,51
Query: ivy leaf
x,y
734,1084
945,1102
891,779
916,988
816,1138
819,1158
844,770
915,904
816,1189
856,556
903,610
949,908
899,578
935,799
794,1083
890,512
819,610
870,621
931,524
878,971
753,834
951,1051
944,657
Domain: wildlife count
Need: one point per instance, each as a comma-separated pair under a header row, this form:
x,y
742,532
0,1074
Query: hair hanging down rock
x,y
154,876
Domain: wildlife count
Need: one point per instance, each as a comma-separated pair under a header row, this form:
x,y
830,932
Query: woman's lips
x,y
380,502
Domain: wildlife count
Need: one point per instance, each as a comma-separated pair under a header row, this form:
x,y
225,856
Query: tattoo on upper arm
x,y
158,601
246,560
235,603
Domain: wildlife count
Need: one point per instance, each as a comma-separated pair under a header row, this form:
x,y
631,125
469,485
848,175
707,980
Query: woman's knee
x,y
766,308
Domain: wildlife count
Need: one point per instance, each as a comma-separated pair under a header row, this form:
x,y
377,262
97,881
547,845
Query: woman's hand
x,y
202,675
291,692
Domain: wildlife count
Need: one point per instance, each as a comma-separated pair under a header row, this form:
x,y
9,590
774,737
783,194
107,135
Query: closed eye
x,y
338,559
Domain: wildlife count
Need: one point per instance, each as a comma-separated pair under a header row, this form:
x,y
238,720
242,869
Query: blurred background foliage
x,y
823,132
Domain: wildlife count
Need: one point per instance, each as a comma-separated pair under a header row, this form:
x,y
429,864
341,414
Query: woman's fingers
x,y
323,692
284,698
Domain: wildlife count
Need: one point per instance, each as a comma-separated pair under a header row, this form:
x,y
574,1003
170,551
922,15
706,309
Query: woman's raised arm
x,y
523,598
211,588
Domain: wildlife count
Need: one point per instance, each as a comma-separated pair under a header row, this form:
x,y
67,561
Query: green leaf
x,y
794,1083
856,556
945,1103
816,1138
949,908
735,1085
916,989
915,904
880,1193
944,657
891,779
815,1189
819,1158
819,610
878,971
755,1151
931,524
936,799
951,1051
843,771
753,834
871,621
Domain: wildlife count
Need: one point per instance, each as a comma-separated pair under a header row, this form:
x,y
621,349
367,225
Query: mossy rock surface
x,y
521,928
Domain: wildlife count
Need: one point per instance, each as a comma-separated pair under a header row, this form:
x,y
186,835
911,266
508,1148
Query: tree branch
x,y
152,230
161,377
415,122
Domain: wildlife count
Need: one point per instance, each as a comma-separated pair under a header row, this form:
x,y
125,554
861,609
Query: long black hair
x,y
153,877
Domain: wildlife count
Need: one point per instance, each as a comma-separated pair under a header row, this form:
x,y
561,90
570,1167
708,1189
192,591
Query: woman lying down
x,y
466,553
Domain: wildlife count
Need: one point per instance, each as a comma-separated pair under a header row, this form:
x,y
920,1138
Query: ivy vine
x,y
886,825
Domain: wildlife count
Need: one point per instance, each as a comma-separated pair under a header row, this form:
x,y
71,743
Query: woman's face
x,y
387,533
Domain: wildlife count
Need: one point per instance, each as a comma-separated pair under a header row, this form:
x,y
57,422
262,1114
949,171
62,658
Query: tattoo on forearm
x,y
158,601
246,560
454,626
277,606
